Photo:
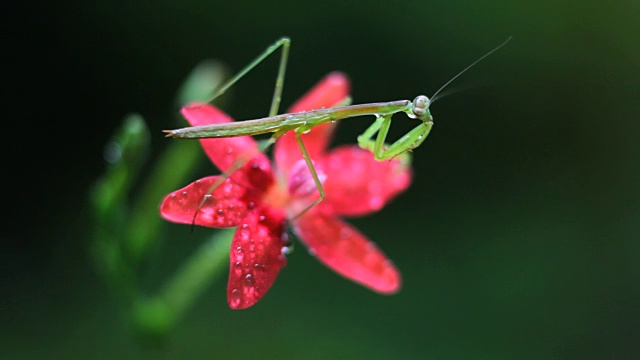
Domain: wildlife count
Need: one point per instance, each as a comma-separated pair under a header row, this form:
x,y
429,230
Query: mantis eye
x,y
420,106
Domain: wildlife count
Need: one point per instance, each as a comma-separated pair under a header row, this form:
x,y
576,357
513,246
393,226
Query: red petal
x,y
348,252
256,256
222,151
357,184
224,208
330,91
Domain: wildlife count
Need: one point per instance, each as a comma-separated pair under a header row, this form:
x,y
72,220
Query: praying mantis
x,y
303,122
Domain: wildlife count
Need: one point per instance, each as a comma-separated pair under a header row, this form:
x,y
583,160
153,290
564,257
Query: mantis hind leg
x,y
314,175
285,43
275,104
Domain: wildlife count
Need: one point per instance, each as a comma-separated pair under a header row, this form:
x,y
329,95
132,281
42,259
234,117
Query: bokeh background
x,y
518,239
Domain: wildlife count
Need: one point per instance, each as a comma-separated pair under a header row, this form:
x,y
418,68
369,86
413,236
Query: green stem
x,y
157,315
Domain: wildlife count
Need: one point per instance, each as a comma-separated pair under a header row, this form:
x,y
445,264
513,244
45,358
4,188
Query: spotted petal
x,y
349,253
357,184
330,91
225,206
256,256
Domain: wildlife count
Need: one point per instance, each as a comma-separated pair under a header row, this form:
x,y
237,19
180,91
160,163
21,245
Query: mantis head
x,y
420,109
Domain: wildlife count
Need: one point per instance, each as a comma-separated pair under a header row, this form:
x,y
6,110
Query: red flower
x,y
261,202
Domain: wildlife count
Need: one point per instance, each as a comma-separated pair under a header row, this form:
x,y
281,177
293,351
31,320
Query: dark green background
x,y
518,239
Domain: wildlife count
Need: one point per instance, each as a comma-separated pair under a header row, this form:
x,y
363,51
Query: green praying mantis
x,y
303,122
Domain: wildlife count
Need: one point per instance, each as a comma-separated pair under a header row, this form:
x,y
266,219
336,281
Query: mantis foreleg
x,y
380,150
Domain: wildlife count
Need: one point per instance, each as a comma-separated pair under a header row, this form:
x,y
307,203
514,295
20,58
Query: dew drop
x,y
376,202
245,226
285,238
312,252
285,250
251,205
345,233
235,295
249,280
238,264
184,193
261,218
220,212
228,150
370,246
239,249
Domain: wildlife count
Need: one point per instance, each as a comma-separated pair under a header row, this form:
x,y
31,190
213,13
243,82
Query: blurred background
x,y
518,239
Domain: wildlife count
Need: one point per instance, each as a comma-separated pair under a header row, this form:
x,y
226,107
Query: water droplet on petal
x,y
345,233
249,280
285,250
239,249
371,246
235,296
312,251
286,239
376,202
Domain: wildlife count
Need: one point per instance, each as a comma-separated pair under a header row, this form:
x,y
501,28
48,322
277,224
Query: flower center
x,y
276,196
